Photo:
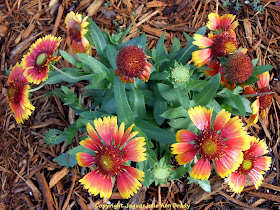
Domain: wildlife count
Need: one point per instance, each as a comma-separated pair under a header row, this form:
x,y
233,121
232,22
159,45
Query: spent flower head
x,y
132,63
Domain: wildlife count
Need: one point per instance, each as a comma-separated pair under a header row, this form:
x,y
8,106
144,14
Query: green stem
x,y
37,88
65,74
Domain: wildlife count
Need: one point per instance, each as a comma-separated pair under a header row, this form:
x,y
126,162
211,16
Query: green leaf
x,y
97,38
208,92
70,133
175,48
180,172
53,137
261,69
99,81
95,65
160,49
111,54
204,184
168,93
137,41
71,59
160,106
137,101
56,77
185,54
154,132
173,113
80,148
187,37
91,115
180,123
183,97
124,111
237,99
66,160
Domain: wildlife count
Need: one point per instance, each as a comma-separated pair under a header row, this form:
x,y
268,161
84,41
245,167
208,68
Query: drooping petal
x,y
127,184
233,25
201,170
264,79
214,21
262,163
134,150
221,119
202,41
233,128
249,91
229,163
76,28
145,75
201,57
85,159
236,182
185,136
216,68
201,117
256,176
253,119
97,183
106,128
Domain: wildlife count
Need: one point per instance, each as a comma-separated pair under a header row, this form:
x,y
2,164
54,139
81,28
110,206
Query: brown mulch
x,y
29,179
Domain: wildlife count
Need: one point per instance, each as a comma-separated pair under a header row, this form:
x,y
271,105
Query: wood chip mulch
x,y
29,178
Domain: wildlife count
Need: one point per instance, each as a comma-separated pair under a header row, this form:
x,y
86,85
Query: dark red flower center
x,y
109,160
131,61
239,67
75,32
265,100
224,44
15,92
210,144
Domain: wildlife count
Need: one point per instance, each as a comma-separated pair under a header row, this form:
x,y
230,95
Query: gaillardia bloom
x,y
263,102
223,144
40,55
223,23
18,90
239,67
213,46
76,28
132,63
113,147
253,165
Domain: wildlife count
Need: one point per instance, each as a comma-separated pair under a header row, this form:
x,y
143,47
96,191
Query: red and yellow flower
x,y
263,102
223,23
40,55
18,90
132,63
113,147
76,28
253,165
213,46
223,144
